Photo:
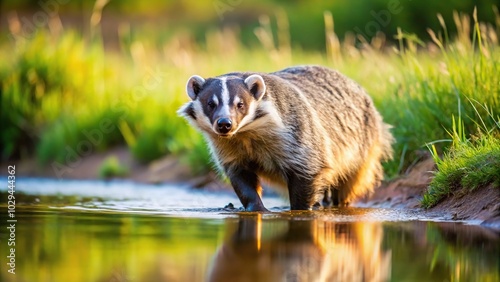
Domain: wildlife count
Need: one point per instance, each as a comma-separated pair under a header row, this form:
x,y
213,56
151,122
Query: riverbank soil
x,y
481,205
166,169
405,191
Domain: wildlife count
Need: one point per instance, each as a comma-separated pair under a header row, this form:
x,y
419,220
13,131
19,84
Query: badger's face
x,y
223,105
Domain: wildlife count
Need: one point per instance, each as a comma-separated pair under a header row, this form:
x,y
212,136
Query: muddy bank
x,y
167,169
481,206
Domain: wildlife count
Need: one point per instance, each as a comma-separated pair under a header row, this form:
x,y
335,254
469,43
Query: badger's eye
x,y
240,105
211,104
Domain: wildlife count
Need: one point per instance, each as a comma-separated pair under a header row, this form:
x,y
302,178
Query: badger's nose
x,y
224,125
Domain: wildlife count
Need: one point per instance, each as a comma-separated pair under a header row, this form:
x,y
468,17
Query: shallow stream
x,y
122,231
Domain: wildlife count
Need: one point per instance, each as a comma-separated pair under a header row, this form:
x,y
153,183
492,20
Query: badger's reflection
x,y
301,250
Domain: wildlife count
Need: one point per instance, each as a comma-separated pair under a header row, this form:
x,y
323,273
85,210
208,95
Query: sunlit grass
x,y
437,85
111,167
471,163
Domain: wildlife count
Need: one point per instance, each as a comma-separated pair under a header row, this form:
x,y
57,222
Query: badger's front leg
x,y
301,191
247,186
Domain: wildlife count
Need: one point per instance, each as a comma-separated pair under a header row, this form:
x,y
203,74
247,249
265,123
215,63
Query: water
x,y
119,231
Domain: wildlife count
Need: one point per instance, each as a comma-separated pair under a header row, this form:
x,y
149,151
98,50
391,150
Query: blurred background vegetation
x,y
160,20
79,77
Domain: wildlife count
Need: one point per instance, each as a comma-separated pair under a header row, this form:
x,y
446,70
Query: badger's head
x,y
225,105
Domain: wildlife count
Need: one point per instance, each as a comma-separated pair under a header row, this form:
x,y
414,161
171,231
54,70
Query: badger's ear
x,y
194,86
256,85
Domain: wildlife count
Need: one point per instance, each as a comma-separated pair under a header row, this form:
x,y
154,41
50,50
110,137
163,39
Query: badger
x,y
306,130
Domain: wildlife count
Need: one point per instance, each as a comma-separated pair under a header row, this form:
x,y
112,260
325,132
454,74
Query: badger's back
x,y
334,117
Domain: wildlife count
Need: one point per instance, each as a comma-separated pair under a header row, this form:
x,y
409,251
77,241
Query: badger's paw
x,y
258,207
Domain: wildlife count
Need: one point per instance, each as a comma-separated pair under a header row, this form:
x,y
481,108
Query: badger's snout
x,y
224,125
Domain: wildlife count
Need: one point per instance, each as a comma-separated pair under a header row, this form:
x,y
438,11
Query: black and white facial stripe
x,y
226,104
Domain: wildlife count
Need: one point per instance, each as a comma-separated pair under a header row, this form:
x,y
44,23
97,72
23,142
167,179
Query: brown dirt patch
x,y
479,206
482,204
167,169
404,192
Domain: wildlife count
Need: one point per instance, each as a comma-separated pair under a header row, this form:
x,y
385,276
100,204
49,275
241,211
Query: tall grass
x,y
57,89
437,84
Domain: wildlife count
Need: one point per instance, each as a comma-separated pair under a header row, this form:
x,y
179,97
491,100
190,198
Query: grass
x,y
63,95
434,88
111,167
471,163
